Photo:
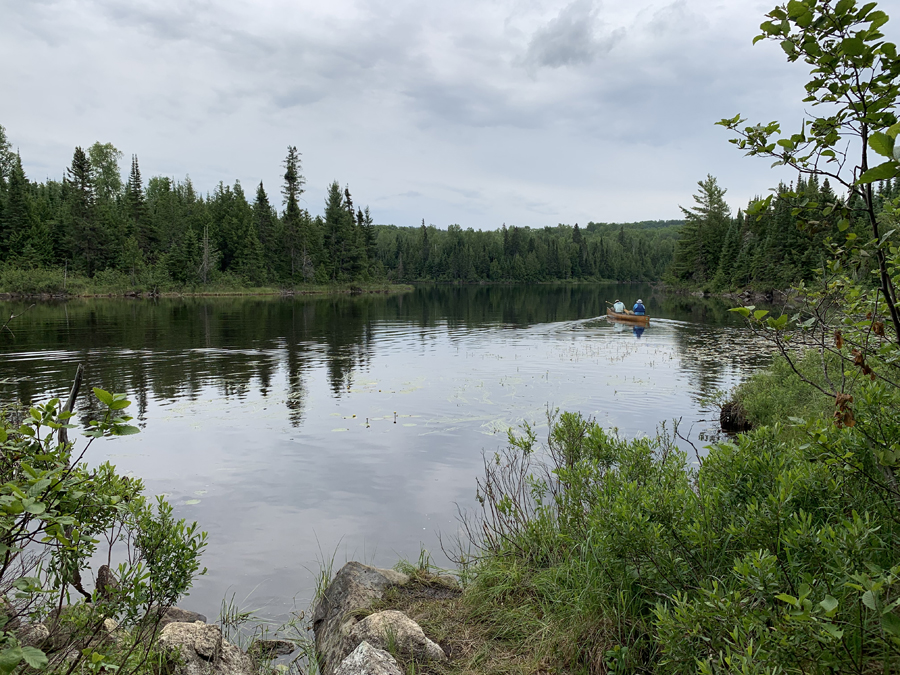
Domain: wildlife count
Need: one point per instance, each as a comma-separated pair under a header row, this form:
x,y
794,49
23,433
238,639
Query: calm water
x,y
294,429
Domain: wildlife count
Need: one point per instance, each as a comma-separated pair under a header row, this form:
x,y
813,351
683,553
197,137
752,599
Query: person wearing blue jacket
x,y
639,308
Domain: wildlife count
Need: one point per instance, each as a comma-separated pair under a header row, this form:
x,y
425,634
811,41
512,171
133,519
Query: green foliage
x,y
54,512
776,394
772,556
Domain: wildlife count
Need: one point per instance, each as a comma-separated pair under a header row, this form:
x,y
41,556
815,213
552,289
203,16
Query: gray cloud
x,y
524,111
570,38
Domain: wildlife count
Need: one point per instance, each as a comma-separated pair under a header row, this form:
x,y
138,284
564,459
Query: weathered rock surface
x,y
33,635
178,615
367,660
269,649
390,626
355,587
203,651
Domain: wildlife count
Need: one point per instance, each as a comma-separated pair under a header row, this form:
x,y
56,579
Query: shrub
x,y
54,512
772,555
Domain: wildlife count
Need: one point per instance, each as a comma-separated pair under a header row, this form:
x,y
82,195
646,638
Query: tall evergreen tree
x,y
700,243
136,208
85,239
16,221
295,242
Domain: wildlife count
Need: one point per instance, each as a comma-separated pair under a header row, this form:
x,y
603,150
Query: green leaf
x,y
743,311
34,657
844,6
104,396
881,172
868,599
853,46
37,508
833,630
789,599
10,658
760,313
119,405
3,435
891,624
829,604
882,144
125,430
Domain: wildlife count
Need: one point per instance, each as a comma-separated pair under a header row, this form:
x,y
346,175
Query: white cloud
x,y
521,111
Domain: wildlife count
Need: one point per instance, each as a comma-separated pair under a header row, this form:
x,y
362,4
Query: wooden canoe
x,y
642,320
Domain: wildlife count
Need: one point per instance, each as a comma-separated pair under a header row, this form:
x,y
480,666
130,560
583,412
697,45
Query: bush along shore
x,y
53,283
774,551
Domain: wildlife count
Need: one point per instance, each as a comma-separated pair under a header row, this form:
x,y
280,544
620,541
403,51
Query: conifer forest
x,y
164,234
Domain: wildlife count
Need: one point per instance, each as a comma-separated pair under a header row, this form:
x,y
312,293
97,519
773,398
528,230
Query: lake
x,y
297,429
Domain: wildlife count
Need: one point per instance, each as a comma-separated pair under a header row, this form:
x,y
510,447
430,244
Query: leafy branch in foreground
x,y
856,77
55,511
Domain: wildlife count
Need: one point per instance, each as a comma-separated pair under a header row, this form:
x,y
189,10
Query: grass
x,y
58,282
775,395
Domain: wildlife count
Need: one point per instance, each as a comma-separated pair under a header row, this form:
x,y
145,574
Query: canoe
x,y
628,318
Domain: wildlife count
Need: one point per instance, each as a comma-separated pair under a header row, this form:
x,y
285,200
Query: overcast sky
x,y
528,112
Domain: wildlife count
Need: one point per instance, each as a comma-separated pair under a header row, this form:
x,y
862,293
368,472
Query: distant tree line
x,y
165,232
776,242
626,252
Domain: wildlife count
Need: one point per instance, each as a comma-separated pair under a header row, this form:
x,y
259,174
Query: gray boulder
x,y
269,649
392,627
355,587
178,615
203,651
367,660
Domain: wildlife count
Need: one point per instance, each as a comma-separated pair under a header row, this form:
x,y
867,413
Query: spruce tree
x,y
266,223
136,207
84,237
17,215
338,230
291,190
701,237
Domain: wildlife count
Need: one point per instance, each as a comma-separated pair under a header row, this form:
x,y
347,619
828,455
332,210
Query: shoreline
x,y
338,289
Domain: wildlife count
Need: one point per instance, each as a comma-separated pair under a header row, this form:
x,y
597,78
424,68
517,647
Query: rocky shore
x,y
356,635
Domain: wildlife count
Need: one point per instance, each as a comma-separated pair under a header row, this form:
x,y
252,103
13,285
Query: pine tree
x,y
266,223
7,160
136,208
297,246
17,219
85,238
337,235
701,237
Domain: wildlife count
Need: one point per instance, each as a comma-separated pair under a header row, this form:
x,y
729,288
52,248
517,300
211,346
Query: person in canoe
x,y
639,308
619,307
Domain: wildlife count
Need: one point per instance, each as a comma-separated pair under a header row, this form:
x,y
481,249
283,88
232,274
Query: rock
x,y
203,651
269,649
355,587
732,418
390,627
178,615
33,635
367,660
107,583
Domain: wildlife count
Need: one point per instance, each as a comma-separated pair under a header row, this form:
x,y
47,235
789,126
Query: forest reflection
x,y
174,348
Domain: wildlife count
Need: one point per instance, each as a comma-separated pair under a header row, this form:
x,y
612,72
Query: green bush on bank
x,y
772,556
774,395
57,515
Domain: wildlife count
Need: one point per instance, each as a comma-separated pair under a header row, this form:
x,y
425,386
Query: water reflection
x,y
308,424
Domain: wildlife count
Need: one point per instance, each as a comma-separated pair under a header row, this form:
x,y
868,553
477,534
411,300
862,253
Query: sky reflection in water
x,y
294,429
